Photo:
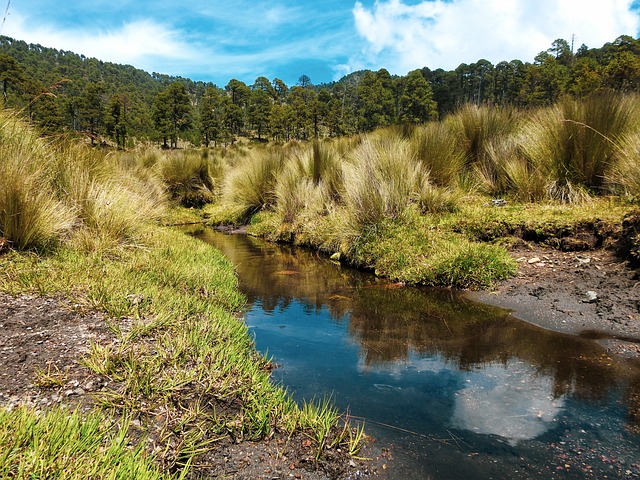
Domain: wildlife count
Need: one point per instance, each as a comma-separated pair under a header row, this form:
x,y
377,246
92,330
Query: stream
x,y
449,388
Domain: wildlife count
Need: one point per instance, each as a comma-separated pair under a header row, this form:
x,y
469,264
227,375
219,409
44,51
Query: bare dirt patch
x,y
588,293
42,342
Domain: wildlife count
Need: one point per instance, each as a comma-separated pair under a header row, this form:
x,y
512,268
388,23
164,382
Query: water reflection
x,y
440,361
512,401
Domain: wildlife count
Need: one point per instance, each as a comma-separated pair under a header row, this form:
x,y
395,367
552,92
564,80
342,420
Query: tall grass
x,y
31,215
311,180
624,176
436,146
62,190
476,127
480,132
382,177
250,184
576,143
189,177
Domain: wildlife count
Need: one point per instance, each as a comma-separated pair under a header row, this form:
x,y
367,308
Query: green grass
x,y
182,351
65,445
420,251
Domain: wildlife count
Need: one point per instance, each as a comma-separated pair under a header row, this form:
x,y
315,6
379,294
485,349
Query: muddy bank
x,y
588,293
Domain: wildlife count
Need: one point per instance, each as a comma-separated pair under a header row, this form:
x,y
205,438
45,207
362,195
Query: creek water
x,y
449,388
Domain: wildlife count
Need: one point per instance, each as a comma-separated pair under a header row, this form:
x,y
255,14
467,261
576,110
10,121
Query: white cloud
x,y
144,43
443,34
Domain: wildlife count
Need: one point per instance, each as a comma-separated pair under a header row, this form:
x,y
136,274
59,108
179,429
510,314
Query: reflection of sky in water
x,y
512,401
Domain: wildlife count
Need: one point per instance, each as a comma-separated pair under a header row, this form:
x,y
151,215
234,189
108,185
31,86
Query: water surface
x,y
455,389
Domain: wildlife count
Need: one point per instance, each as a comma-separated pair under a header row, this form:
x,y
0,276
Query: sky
x,y
217,40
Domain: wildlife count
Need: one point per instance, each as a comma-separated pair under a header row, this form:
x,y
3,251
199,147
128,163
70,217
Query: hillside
x,y
61,91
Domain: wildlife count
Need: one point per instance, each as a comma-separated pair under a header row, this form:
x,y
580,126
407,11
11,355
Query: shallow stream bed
x,y
454,389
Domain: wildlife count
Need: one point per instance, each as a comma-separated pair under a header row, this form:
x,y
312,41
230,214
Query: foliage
x,y
62,91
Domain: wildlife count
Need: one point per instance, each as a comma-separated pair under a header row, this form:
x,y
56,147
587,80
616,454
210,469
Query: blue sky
x,y
217,40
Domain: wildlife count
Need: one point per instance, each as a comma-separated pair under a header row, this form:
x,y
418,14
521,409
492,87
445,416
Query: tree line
x,y
64,92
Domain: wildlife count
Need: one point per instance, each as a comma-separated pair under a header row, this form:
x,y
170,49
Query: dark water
x,y
455,389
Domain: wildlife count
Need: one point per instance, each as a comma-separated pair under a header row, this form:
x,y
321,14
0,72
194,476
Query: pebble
x,y
590,297
533,260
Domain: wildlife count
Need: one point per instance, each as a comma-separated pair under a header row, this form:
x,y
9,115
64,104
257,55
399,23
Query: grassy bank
x,y
86,225
431,204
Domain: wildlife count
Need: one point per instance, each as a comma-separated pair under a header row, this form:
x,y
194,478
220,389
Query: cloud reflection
x,y
512,400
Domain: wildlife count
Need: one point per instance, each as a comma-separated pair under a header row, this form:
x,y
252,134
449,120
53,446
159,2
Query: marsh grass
x,y
181,357
250,184
382,177
189,176
31,215
576,144
419,251
624,176
435,145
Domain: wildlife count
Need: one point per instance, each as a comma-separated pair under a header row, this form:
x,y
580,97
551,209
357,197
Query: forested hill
x,y
64,92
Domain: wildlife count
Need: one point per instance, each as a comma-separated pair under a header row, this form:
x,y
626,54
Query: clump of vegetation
x,y
576,144
31,215
190,177
250,184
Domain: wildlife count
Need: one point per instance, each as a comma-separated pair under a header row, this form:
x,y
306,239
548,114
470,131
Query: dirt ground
x,y
592,293
589,293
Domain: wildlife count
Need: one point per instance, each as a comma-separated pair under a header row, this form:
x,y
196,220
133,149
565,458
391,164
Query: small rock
x,y
590,297
533,260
